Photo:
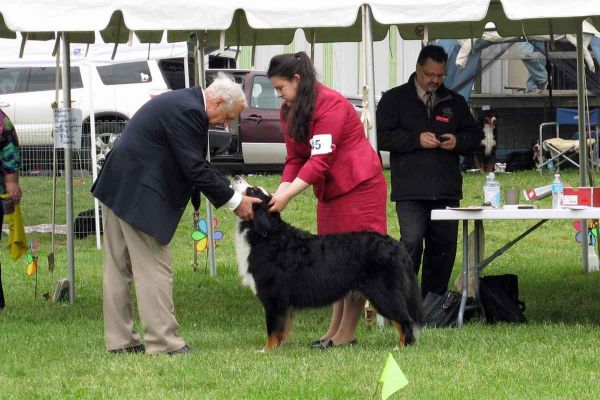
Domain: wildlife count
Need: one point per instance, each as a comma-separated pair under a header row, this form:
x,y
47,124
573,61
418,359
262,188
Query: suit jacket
x,y
352,161
148,177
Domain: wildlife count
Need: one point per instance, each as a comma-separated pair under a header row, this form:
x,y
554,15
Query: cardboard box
x,y
582,196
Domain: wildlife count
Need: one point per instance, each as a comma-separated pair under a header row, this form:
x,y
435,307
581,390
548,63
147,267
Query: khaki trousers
x,y
131,256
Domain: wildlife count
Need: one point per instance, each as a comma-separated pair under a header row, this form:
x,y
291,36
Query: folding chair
x,y
563,150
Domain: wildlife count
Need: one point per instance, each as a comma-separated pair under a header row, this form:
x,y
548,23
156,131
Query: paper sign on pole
x,y
67,128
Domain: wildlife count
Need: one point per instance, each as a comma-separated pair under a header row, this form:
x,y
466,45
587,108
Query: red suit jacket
x,y
352,160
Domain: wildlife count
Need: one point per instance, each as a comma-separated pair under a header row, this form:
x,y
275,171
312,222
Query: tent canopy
x,y
274,22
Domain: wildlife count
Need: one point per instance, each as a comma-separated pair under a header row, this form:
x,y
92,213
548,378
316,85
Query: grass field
x,y
56,351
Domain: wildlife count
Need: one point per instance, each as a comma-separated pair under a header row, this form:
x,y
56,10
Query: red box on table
x,y
581,196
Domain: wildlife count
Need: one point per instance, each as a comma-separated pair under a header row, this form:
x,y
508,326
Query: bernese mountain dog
x,y
290,269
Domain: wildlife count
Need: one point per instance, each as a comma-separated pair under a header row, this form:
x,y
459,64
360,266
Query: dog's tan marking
x,y
398,327
273,341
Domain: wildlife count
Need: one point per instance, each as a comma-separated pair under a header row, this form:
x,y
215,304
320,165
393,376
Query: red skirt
x,y
361,209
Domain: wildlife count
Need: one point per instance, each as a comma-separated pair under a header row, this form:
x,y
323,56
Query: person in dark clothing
x,y
10,162
425,127
144,186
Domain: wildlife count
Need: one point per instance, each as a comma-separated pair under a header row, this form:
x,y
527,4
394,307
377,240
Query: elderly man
x,y
144,187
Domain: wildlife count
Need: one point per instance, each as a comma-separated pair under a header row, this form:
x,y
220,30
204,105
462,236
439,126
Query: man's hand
x,y
244,210
429,140
278,202
449,143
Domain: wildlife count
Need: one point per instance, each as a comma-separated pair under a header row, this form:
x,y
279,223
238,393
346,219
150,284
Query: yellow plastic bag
x,y
17,242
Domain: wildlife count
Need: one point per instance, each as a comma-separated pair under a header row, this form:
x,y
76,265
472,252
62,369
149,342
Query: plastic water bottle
x,y
557,192
491,191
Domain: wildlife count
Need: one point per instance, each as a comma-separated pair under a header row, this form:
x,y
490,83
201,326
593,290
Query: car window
x,y
43,78
264,95
173,72
9,79
118,74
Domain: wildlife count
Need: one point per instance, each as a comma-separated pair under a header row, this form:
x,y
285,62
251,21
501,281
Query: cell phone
x,y
443,138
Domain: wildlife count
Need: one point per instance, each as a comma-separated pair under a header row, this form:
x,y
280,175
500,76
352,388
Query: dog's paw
x,y
263,350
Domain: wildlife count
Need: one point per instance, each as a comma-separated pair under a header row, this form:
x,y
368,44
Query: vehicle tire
x,y
107,132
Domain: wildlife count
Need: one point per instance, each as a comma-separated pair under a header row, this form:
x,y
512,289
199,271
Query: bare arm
x,y
284,195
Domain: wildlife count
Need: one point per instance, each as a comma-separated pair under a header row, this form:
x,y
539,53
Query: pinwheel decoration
x,y
200,235
592,231
32,262
32,258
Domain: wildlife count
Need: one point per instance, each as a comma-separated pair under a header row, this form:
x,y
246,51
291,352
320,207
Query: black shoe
x,y
328,344
184,350
318,342
140,348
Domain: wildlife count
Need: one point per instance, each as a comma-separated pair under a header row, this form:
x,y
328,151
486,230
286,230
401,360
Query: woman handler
x,y
327,149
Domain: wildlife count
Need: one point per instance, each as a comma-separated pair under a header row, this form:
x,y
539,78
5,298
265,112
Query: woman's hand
x,y
279,201
14,190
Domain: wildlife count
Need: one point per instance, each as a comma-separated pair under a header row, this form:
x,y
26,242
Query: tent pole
x,y
186,71
201,43
583,163
312,45
253,55
66,80
369,72
93,152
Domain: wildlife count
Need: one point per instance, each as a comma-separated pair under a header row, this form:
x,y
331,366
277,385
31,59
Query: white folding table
x,y
479,214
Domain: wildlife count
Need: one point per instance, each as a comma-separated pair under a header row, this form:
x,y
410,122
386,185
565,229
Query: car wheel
x,y
107,132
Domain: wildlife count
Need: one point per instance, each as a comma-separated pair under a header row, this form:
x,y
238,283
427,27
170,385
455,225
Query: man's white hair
x,y
224,86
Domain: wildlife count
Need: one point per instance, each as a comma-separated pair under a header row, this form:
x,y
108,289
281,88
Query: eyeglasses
x,y
431,75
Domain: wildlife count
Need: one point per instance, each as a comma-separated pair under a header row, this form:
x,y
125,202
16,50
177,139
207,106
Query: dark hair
x,y
298,114
433,52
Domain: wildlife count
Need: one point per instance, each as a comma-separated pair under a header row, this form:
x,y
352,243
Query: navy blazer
x,y
148,176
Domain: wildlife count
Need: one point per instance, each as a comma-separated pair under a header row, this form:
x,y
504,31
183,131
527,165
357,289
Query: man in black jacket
x,y
426,127
144,187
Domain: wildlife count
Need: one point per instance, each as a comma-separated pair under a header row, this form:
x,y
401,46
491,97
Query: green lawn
x,y
54,351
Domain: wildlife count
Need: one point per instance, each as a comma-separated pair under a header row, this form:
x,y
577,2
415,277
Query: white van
x,y
113,87
117,90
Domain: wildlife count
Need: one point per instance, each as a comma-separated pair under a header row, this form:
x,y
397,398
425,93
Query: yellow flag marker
x,y
392,378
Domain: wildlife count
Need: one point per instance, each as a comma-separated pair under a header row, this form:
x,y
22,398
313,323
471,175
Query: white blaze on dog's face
x,y
262,189
239,184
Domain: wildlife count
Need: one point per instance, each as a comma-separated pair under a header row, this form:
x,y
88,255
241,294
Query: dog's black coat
x,y
294,269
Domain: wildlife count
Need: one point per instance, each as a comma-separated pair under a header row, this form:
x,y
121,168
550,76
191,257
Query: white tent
x,y
272,22
236,22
